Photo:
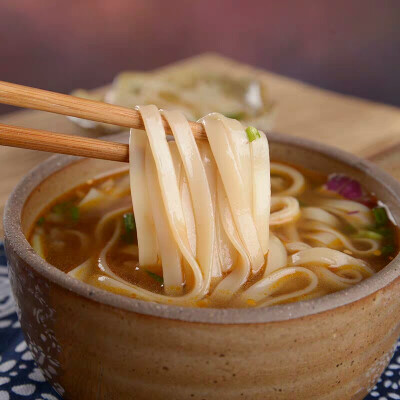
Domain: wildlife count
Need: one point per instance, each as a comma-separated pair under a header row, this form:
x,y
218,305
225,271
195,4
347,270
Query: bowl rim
x,y
16,242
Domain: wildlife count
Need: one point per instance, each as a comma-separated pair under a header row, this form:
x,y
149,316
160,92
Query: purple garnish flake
x,y
336,182
345,186
352,212
348,188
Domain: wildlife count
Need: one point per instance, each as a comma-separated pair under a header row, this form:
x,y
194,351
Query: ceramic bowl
x,y
92,344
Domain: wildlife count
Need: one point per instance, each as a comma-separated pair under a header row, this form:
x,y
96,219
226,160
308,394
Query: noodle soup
x,y
320,240
214,223
295,341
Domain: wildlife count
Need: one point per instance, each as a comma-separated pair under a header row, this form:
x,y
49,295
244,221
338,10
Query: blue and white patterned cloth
x,y
21,379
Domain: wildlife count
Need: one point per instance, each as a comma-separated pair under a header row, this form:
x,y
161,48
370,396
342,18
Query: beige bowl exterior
x,y
92,344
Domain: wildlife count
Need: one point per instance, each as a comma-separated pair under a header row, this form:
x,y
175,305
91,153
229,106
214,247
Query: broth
x,y
76,229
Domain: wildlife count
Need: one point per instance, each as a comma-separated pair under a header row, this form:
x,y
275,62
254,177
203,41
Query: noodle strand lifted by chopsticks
x,y
204,211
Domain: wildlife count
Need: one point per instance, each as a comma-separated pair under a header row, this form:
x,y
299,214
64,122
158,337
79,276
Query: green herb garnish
x,y
235,115
130,227
156,277
252,133
74,212
67,209
129,222
384,231
302,203
60,208
40,221
380,215
388,250
368,235
383,228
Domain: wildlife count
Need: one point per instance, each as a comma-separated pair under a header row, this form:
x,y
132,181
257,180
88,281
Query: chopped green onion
x,y
235,115
302,203
130,227
156,277
252,133
368,235
60,208
380,215
40,221
67,208
386,232
74,212
388,250
129,222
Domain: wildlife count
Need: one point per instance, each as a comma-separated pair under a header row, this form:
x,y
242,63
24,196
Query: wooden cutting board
x,y
365,128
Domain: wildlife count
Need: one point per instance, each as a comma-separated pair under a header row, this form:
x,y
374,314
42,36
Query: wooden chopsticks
x,y
38,99
35,139
44,100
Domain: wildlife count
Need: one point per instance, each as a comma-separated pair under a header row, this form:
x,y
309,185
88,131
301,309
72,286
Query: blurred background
x,y
350,46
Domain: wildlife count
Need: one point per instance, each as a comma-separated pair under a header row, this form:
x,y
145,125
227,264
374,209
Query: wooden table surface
x,y
365,128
